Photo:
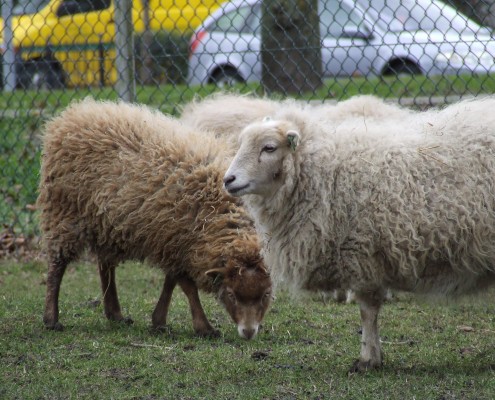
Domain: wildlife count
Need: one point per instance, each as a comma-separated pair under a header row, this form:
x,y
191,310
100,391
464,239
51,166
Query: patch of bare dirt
x,y
17,246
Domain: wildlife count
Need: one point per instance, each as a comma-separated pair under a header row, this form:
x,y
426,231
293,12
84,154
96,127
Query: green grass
x,y
407,86
303,351
169,98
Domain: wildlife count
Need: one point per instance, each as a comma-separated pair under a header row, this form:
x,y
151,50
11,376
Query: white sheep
x,y
405,205
226,114
359,109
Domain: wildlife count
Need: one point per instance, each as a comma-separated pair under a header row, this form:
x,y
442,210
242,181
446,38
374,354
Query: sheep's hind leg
x,y
56,269
371,355
159,316
110,298
200,323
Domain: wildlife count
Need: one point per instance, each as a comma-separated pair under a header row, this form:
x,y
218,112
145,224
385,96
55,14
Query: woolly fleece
x,y
408,204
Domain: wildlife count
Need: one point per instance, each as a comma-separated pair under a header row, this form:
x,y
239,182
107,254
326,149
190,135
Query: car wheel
x,y
40,74
402,67
226,77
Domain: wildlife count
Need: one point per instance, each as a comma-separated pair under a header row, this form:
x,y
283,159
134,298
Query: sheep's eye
x,y
269,148
231,296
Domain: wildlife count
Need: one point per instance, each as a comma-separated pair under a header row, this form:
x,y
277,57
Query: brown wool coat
x,y
130,183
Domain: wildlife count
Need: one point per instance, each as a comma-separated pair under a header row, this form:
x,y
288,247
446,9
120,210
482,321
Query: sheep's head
x,y
258,166
245,290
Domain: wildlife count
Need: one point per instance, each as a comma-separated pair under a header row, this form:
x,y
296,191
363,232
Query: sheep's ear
x,y
293,139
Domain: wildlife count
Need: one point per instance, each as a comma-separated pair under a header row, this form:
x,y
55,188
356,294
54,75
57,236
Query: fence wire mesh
x,y
56,51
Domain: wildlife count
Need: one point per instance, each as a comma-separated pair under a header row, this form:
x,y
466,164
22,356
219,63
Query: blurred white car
x,y
358,37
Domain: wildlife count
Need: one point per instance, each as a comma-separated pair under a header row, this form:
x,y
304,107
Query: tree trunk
x,y
290,46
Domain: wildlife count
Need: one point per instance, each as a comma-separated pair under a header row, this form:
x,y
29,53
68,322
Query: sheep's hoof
x,y
127,320
339,295
57,326
211,333
121,320
162,329
362,366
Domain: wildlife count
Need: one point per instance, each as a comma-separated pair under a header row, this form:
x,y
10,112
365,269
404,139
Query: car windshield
x,y
29,6
409,15
334,16
236,21
391,15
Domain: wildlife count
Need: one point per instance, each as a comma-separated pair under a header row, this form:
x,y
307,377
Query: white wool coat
x,y
406,204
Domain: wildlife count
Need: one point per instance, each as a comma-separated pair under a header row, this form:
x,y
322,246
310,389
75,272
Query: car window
x,y
412,15
334,16
400,15
29,6
70,7
233,21
253,21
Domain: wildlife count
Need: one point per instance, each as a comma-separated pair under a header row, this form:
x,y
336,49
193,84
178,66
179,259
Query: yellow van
x,y
71,42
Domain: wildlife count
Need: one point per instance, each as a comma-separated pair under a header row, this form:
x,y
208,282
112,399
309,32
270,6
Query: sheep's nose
x,y
227,180
249,333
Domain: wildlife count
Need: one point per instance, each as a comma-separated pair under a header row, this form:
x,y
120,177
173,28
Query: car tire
x,y
40,74
226,77
402,67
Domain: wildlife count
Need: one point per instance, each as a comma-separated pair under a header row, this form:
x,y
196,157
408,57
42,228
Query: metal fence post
x,y
9,77
124,46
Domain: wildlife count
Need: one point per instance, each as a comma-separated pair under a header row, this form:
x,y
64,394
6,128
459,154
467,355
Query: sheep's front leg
x,y
110,298
371,355
56,269
200,323
159,317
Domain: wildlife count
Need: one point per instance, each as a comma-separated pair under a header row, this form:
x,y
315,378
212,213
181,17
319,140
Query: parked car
x,y
71,42
358,37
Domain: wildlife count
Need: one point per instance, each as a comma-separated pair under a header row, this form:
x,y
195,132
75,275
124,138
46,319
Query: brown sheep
x,y
128,183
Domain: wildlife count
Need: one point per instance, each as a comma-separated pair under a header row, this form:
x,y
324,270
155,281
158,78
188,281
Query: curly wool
x,y
407,204
131,183
226,115
359,109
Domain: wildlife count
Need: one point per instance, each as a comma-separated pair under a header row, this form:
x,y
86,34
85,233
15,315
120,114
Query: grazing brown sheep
x,y
132,184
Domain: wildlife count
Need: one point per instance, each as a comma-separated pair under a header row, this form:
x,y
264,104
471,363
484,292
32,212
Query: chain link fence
x,y
165,53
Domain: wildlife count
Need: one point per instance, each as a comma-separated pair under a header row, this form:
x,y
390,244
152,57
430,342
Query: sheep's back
x,y
409,201
227,114
428,193
125,179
